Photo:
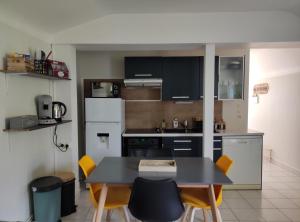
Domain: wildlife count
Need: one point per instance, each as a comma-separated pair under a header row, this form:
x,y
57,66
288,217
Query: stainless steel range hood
x,y
143,82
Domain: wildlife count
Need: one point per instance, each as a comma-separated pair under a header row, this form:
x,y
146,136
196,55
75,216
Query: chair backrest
x,y
224,163
155,200
87,165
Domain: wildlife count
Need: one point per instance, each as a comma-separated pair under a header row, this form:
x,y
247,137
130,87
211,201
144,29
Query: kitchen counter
x,y
153,133
248,132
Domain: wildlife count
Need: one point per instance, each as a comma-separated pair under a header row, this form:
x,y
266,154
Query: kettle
x,y
59,109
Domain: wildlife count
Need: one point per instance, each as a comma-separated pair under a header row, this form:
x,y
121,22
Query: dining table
x,y
191,172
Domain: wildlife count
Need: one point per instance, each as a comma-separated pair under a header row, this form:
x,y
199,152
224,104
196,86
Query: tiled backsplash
x,y
151,113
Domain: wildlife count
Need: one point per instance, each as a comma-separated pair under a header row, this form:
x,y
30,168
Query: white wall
x,y
67,92
185,28
277,113
26,155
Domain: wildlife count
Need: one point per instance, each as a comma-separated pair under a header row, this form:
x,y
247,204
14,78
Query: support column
x,y
66,91
208,100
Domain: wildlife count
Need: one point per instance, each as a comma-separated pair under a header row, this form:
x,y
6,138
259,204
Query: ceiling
x,y
50,17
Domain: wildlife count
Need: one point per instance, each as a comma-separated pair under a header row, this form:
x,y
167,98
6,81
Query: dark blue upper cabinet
x,y
143,67
183,146
181,78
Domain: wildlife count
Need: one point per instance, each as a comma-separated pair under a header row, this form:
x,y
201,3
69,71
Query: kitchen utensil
x,y
44,106
59,109
185,124
175,123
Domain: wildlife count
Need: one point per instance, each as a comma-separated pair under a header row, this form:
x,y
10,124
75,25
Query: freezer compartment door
x,y
103,139
104,110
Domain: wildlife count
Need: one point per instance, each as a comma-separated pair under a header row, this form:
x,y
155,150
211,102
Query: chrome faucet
x,y
185,124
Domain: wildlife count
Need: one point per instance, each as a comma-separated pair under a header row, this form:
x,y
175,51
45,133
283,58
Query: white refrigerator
x,y
104,125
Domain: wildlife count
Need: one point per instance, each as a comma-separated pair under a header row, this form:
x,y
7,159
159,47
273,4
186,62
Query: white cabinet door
x,y
103,139
246,153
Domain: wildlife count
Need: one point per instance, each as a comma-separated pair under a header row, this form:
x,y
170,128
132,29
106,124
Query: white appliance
x,y
105,123
246,152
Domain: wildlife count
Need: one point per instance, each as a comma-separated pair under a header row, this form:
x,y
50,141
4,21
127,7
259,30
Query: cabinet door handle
x,y
217,149
182,141
182,149
242,142
217,140
180,97
203,97
184,102
143,75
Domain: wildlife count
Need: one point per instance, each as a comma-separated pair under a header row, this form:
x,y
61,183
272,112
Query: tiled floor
x,y
278,201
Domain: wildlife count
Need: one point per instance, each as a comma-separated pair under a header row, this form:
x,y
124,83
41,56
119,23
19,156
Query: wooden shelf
x,y
37,127
33,75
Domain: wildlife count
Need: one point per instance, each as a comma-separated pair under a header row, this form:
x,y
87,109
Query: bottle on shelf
x,y
230,90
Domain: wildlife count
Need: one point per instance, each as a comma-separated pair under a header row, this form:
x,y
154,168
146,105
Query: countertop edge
x,y
249,133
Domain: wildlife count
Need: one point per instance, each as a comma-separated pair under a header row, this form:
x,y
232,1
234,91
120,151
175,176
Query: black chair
x,y
155,200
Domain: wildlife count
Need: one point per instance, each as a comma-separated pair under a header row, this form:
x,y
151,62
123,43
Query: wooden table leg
x,y
108,215
101,203
186,213
126,214
214,209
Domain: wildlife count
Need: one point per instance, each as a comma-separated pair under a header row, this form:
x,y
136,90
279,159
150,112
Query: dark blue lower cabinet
x,y
217,149
217,154
149,147
183,146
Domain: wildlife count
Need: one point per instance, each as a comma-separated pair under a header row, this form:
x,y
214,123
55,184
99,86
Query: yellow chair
x,y
117,197
196,198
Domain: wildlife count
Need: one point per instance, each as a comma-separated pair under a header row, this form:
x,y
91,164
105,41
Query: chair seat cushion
x,y
116,197
197,197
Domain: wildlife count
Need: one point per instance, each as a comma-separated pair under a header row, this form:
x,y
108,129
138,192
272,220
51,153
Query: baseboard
x,y
242,187
30,219
286,166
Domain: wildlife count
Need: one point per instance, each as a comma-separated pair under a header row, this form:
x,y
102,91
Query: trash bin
x,y
67,192
46,196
